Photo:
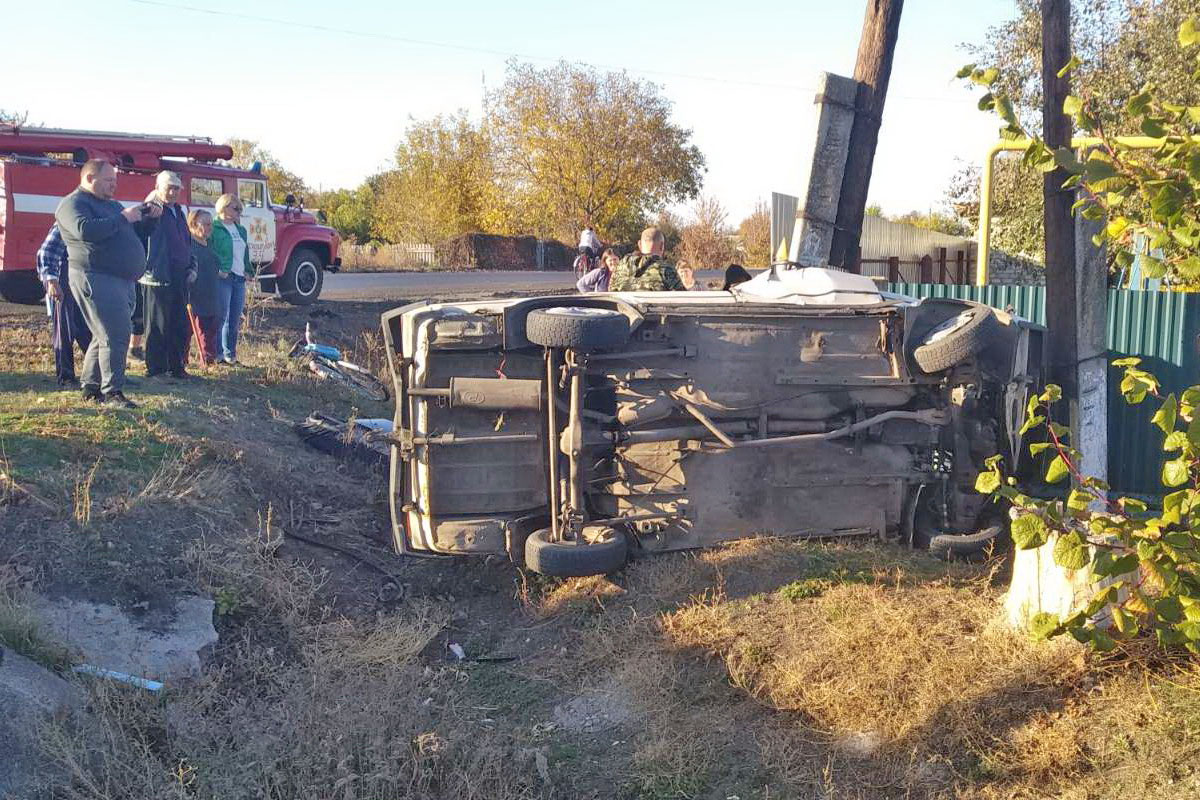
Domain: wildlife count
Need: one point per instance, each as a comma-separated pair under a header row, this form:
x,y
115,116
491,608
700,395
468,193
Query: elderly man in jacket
x,y
170,271
105,258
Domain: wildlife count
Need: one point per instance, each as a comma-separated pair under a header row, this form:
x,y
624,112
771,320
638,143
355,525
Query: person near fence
x,y
231,245
597,280
644,270
105,258
205,302
70,328
170,272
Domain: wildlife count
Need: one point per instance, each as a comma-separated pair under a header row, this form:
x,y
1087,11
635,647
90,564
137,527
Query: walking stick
x,y
196,337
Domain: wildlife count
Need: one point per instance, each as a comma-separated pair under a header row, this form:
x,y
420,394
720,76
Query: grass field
x,y
765,669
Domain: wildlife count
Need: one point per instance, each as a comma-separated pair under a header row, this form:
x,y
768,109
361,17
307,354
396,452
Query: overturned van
x,y
571,432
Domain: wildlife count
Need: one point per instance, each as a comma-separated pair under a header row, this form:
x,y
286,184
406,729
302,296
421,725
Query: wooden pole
x,y
1061,290
872,70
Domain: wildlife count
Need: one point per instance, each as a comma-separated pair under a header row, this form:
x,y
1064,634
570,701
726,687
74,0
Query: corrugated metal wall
x,y
1159,327
783,218
883,238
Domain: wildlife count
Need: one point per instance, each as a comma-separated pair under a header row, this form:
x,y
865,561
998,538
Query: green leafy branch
x,y
1144,564
1150,197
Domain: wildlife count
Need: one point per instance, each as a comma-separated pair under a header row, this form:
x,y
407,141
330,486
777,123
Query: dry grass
x,y
247,578
766,669
20,631
382,644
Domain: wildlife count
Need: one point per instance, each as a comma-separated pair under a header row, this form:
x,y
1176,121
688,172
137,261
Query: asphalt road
x,y
415,285
395,285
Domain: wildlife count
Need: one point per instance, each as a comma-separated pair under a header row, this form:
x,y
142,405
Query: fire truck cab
x,y
40,166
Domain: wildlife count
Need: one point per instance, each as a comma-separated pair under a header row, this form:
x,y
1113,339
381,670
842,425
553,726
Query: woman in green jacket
x,y
231,245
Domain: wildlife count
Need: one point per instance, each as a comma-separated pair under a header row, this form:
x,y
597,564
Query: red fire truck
x,y
39,166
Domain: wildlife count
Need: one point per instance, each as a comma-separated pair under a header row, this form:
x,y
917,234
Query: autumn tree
x,y
671,226
937,221
580,146
1122,45
280,180
706,239
755,233
443,183
349,211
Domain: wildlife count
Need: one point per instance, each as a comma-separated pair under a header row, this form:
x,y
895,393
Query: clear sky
x,y
330,93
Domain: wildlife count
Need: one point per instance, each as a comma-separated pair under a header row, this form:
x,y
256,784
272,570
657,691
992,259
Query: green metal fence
x,y
1159,327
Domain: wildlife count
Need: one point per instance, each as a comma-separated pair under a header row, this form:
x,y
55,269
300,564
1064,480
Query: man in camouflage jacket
x,y
644,269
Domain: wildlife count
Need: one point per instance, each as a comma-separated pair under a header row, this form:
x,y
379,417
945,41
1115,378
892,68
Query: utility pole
x,y
1061,284
872,70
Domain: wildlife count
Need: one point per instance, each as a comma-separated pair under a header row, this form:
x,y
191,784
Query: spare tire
x,y
957,339
569,560
574,326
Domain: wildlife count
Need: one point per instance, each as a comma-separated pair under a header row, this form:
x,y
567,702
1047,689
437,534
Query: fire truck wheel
x,y
301,281
21,287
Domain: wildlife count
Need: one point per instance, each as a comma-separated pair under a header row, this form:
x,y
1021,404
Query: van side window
x,y
204,191
252,194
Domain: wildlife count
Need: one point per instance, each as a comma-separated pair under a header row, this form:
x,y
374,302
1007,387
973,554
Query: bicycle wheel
x,y
351,376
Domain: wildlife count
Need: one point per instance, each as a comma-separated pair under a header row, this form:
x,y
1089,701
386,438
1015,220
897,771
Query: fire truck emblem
x,y
258,229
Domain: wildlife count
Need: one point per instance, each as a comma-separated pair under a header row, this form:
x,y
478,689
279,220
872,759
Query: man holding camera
x,y
105,258
170,270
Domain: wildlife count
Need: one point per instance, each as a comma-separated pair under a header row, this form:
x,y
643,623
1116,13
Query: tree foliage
x,y
351,212
937,221
706,241
1122,45
755,234
579,146
443,183
280,180
1150,198
1145,564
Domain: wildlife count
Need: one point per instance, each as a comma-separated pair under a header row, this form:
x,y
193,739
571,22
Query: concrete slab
x,y
28,694
109,638
813,234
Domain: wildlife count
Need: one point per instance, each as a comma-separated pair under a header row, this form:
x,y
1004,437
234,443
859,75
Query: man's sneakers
x,y
91,393
69,383
118,400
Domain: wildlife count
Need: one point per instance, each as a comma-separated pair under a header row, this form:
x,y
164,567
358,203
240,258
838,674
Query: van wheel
x,y
967,546
21,287
573,326
604,554
956,340
302,280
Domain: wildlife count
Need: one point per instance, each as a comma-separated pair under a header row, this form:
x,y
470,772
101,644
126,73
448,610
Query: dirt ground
x,y
766,669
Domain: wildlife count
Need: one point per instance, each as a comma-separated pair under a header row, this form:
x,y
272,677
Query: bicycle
x,y
326,362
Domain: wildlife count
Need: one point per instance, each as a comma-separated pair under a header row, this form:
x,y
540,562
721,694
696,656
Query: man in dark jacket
x,y
170,270
105,258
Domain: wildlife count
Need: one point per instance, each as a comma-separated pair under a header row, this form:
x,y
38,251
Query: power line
x,y
467,48
456,46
